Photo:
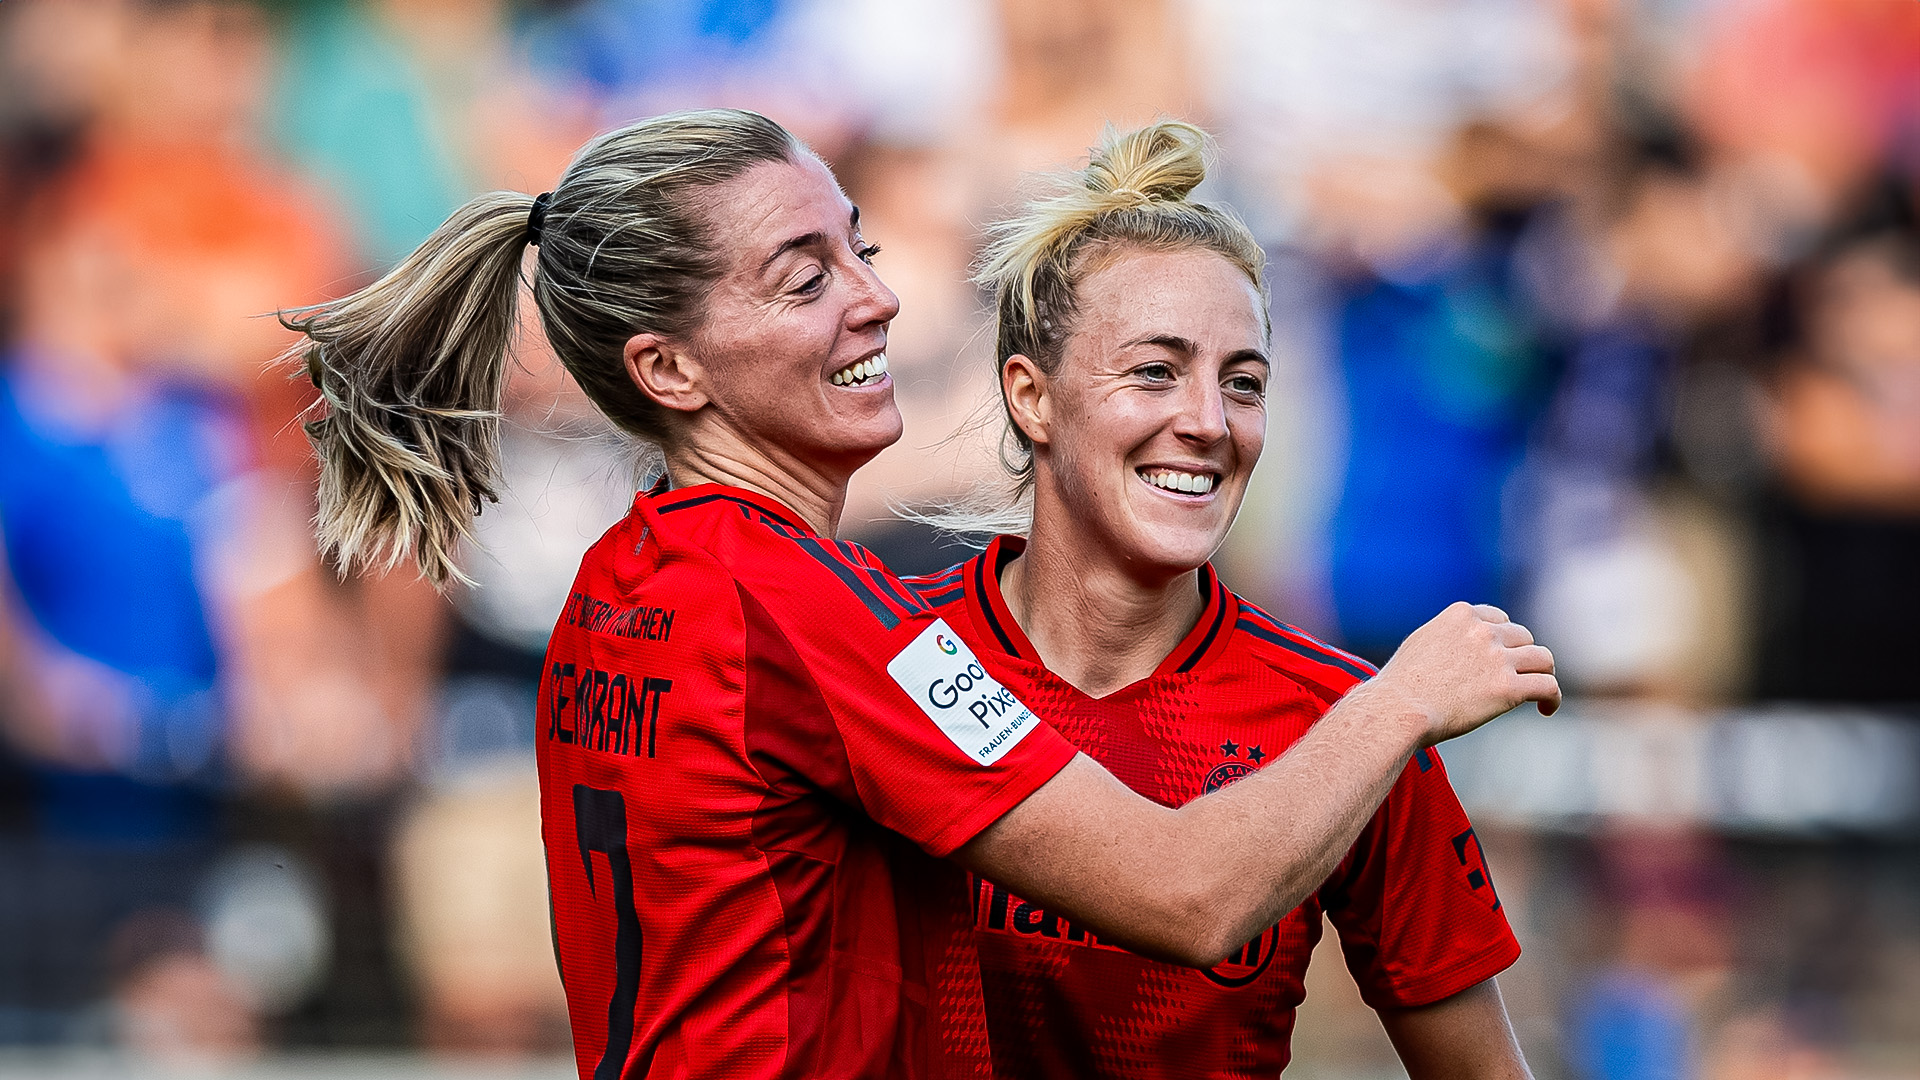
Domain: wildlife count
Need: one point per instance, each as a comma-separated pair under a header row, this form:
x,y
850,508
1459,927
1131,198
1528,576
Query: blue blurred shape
x,y
1628,1026
1443,375
626,45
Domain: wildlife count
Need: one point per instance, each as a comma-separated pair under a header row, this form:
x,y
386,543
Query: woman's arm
x,y
1193,884
1464,1037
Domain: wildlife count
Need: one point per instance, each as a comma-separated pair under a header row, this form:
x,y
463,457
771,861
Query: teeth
x,y
865,370
1189,483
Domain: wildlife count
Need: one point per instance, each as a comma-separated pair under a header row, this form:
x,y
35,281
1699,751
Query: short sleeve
x,y
1414,903
901,720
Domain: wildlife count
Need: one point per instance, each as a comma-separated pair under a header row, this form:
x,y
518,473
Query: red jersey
x,y
1412,901
753,744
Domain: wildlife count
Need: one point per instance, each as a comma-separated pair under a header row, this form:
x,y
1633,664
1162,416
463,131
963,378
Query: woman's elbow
x,y
1204,928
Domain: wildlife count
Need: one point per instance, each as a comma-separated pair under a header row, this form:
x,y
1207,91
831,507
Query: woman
x,y
1132,345
752,737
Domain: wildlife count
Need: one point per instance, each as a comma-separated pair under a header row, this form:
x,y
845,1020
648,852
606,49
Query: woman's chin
x,y
854,446
1172,552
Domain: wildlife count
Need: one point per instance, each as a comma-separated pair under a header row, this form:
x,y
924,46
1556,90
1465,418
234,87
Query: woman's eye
x,y
1156,372
813,283
866,252
1245,384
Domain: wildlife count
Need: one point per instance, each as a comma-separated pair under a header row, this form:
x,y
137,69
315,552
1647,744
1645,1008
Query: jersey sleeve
x,y
1414,902
893,714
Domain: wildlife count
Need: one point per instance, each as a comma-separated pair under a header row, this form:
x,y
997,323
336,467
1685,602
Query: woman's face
x,y
793,342
1147,433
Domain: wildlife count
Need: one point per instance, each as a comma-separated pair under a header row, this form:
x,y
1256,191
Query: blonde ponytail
x,y
1132,194
411,369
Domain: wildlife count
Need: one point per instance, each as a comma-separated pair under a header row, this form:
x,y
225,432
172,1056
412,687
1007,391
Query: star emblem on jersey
x,y
1231,769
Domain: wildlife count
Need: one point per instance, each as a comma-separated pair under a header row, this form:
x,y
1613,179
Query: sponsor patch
x,y
951,686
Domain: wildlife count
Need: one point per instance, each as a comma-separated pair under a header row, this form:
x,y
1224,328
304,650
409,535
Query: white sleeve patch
x,y
949,684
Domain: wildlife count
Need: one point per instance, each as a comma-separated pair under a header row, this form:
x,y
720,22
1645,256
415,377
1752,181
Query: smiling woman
x,y
756,746
1133,368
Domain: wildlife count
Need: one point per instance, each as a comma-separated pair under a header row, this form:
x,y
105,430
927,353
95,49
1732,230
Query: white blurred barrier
x,y
1780,770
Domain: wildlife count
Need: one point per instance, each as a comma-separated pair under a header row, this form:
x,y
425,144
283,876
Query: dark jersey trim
x,y
883,578
1219,618
940,589
986,606
942,599
859,578
702,500
1309,640
861,590
1276,637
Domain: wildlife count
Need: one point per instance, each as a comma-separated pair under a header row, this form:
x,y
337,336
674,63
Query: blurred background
x,y
1607,311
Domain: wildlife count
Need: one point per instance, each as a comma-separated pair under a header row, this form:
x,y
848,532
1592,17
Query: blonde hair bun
x,y
1162,162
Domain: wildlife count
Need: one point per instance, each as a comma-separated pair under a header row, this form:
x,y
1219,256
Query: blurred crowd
x,y
1607,311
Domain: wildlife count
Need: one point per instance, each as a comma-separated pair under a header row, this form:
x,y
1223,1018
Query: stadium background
x,y
1606,310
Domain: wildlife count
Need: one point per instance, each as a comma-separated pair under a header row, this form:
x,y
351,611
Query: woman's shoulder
x,y
1296,653
811,585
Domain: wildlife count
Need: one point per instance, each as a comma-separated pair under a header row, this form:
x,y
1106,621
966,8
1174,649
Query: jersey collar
x,y
752,502
1206,640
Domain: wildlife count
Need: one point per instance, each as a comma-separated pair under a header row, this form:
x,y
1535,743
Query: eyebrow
x,y
1181,345
805,240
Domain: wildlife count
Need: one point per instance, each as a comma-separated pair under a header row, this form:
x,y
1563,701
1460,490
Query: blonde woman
x,y
1132,349
754,743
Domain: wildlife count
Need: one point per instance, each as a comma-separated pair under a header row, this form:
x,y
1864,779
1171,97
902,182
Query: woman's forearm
x,y
1191,885
1464,1037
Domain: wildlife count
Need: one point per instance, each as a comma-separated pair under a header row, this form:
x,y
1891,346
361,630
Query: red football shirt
x,y
1412,902
753,744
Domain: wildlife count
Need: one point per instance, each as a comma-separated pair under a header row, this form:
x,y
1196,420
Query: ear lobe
x,y
664,373
1023,386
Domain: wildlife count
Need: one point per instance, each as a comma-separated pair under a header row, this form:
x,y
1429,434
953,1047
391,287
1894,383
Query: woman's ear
x,y
1023,386
664,373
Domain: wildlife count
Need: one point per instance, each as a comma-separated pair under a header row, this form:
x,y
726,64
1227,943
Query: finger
x,y
1490,613
1513,634
1540,688
1533,659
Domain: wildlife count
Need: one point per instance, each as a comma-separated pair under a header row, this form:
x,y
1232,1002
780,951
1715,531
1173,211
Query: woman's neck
x,y
1095,625
708,457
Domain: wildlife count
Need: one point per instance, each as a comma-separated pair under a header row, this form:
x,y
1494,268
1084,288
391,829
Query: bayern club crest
x,y
1234,767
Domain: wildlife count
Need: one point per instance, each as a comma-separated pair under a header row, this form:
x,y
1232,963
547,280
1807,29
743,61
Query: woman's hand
x,y
1467,665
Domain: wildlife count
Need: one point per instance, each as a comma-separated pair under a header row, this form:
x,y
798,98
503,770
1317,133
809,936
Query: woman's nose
x,y
1203,413
873,302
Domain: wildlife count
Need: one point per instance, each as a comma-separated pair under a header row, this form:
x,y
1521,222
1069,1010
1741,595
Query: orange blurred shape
x,y
1823,83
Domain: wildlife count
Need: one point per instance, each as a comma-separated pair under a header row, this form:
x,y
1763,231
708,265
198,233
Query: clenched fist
x,y
1467,665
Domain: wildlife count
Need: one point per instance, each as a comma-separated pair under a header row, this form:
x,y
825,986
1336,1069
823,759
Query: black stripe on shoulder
x,y
698,500
884,579
935,581
938,589
986,607
717,496
942,599
851,578
1301,637
1273,636
1219,618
